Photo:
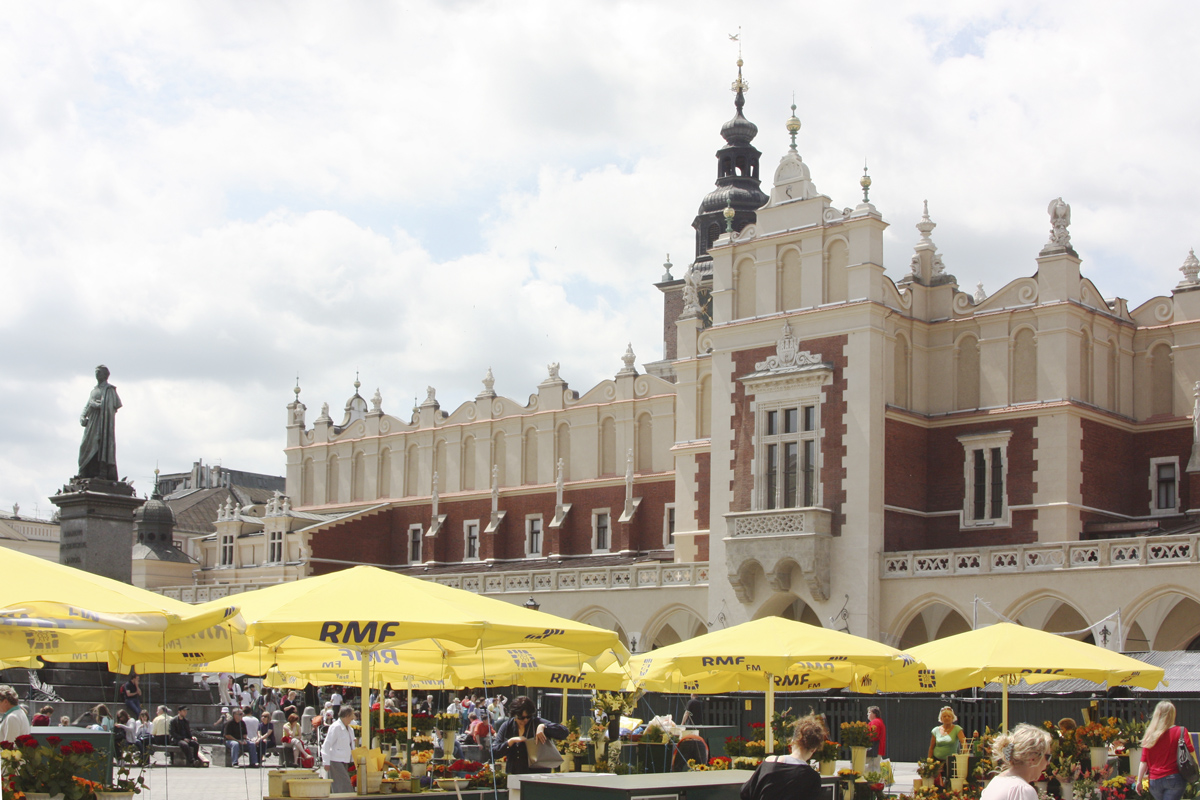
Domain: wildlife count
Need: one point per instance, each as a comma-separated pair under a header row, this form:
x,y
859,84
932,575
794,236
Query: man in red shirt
x,y
878,733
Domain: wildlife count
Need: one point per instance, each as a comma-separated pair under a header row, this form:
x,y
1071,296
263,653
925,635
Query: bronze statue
x,y
98,452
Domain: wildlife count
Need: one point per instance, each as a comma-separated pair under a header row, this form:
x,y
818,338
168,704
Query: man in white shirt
x,y
336,752
13,720
251,725
247,699
224,683
336,699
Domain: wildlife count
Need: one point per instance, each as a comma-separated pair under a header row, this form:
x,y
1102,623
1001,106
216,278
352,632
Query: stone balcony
x,y
779,541
1137,551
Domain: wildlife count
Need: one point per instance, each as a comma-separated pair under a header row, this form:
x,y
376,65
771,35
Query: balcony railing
x,y
1140,551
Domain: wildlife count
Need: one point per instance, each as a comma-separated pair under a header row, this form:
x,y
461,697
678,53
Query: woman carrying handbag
x,y
1168,757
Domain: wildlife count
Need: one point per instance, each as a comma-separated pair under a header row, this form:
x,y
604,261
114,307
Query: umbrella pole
x,y
564,708
408,738
1004,713
365,698
770,734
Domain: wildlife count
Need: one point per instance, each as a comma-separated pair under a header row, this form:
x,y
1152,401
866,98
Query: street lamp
x,y
531,604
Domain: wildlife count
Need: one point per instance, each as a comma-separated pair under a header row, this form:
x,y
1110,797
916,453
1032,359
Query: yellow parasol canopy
x,y
766,654
54,610
1008,653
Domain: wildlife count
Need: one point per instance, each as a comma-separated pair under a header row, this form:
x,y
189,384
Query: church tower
x,y
738,185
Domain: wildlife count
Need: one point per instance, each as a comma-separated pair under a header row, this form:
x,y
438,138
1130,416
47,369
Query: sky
x,y
216,198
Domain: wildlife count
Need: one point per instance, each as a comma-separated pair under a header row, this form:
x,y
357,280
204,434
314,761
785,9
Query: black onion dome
x,y
154,512
740,197
739,130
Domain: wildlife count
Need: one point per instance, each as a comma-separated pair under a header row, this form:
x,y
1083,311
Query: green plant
x,y
783,725
653,735
125,780
735,746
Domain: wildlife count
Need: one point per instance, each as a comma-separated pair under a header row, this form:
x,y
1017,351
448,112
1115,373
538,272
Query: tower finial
x,y
356,382
865,183
729,215
793,123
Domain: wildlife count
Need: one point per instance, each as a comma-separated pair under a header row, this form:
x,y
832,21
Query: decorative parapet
x,y
633,576
654,575
779,541
1140,551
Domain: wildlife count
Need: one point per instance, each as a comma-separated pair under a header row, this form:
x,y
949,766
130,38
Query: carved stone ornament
x,y
377,402
980,294
324,414
628,361
552,368
691,293
489,381
788,354
1190,268
298,410
1060,220
430,396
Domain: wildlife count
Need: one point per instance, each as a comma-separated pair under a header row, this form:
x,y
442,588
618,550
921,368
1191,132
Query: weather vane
x,y
739,85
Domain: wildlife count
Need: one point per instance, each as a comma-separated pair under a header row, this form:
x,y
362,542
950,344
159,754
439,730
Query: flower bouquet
x,y
928,768
826,752
745,762
1097,734
735,746
855,734
720,762
756,748
849,775
616,702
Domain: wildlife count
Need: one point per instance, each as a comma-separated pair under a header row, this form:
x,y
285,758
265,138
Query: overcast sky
x,y
214,198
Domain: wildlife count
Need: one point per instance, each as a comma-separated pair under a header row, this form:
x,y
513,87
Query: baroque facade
x,y
881,453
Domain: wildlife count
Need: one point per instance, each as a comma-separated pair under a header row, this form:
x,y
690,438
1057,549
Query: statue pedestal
x,y
96,524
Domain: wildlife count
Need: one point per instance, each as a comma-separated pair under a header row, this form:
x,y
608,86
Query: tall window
x,y
415,537
1164,485
789,447
471,540
227,550
986,475
533,536
600,531
669,525
275,548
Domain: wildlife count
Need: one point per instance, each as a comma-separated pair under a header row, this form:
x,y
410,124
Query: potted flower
x,y
51,768
857,736
745,762
1097,736
927,771
848,777
720,762
783,725
1132,731
756,749
826,756
125,785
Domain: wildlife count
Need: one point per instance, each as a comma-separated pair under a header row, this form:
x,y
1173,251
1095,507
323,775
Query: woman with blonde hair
x,y
1023,752
790,777
947,737
1160,745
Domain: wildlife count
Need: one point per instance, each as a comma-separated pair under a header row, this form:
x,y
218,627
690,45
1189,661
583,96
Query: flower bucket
x,y
918,783
419,769
1099,756
848,792
1066,790
858,759
828,767
1135,758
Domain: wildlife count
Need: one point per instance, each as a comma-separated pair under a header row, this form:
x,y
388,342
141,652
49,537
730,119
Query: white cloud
x,y
214,197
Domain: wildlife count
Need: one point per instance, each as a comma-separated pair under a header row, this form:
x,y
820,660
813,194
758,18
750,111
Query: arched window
x,y
967,373
331,480
306,482
562,451
1024,369
746,289
411,471
704,408
789,282
1161,380
1085,367
529,457
645,445
358,476
499,458
837,258
902,368
385,473
608,447
467,479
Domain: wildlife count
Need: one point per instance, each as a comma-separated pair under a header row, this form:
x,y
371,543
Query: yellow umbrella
x,y
51,609
766,654
1007,653
369,610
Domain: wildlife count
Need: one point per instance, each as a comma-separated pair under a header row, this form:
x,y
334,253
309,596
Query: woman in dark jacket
x,y
790,777
522,730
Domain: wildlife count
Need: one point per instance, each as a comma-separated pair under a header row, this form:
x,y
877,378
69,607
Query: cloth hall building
x,y
829,438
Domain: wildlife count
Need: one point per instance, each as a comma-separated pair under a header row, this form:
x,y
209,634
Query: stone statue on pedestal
x,y
98,451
